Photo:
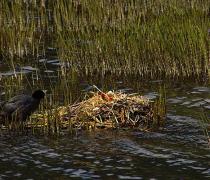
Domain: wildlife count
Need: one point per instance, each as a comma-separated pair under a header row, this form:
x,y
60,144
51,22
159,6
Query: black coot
x,y
20,107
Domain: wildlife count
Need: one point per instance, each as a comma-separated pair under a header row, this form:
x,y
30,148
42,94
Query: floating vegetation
x,y
102,110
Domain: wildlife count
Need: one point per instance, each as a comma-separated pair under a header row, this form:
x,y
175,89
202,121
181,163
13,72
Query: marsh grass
x,y
124,37
205,124
159,108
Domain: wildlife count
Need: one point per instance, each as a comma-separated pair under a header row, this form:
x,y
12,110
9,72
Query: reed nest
x,y
106,110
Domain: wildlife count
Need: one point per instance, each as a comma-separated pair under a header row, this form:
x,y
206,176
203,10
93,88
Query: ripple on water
x,y
106,156
151,95
202,89
131,147
129,177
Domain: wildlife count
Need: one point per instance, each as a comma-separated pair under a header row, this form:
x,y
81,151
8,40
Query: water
x,y
178,151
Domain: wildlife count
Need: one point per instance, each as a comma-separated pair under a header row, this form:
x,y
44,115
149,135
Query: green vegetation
x,y
151,38
205,124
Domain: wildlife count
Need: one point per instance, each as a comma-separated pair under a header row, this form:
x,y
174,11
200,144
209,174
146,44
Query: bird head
x,y
38,94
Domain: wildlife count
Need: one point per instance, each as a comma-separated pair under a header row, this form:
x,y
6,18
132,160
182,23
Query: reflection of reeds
x,y
147,38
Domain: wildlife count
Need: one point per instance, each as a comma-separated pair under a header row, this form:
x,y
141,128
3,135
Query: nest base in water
x,y
106,110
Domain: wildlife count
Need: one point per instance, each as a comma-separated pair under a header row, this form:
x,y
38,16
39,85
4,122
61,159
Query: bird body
x,y
20,107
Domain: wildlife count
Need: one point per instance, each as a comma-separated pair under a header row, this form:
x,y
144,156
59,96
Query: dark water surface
x,y
179,151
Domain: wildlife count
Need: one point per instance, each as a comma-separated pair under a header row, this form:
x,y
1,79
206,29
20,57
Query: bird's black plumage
x,y
20,107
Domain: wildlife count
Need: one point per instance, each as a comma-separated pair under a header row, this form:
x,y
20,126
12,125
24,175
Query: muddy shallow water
x,y
179,151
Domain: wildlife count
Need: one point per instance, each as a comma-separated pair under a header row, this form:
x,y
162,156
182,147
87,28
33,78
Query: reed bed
x,y
147,38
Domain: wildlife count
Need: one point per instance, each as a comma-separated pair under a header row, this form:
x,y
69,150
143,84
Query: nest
x,y
107,110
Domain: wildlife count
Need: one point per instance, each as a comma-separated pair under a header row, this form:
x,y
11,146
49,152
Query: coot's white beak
x,y
45,91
